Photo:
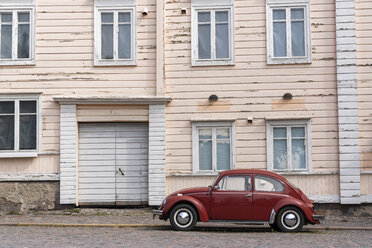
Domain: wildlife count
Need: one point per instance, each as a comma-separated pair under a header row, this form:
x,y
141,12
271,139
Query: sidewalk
x,y
142,218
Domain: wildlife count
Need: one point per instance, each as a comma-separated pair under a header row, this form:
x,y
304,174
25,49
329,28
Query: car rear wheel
x,y
183,217
290,219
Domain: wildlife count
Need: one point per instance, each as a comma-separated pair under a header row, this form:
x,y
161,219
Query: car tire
x,y
290,219
274,227
183,217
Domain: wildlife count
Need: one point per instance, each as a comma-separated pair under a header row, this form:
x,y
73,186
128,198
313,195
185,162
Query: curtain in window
x,y
204,35
6,125
107,36
6,35
23,35
125,36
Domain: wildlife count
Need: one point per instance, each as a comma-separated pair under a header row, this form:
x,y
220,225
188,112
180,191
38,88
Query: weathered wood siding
x,y
112,113
64,66
364,57
251,88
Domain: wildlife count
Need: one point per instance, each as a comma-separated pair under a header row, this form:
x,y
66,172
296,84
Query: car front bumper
x,y
318,217
157,212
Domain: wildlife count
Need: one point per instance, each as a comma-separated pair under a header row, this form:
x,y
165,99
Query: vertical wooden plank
x,y
347,85
68,159
156,154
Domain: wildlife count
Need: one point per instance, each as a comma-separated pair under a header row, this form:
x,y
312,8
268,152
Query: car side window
x,y
235,183
264,183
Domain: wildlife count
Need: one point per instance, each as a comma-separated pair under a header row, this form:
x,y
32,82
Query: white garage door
x,y
113,163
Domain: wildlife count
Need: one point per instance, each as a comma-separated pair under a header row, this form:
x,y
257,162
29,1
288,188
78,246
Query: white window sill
x,y
115,63
17,62
283,61
18,154
213,63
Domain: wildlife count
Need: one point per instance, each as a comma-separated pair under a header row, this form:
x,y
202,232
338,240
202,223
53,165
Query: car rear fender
x,y
296,203
173,201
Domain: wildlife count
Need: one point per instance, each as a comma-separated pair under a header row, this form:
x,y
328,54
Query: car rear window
x,y
267,184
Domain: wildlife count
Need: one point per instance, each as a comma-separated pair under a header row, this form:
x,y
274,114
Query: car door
x,y
267,192
231,199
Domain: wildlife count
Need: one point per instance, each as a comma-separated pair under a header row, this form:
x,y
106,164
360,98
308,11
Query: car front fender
x,y
297,203
174,200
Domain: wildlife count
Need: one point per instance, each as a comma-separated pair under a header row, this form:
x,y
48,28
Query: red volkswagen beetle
x,y
241,196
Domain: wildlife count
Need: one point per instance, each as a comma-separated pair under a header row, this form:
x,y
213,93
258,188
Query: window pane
x,y
107,17
298,38
280,154
297,14
28,107
223,155
280,41
204,41
223,133
23,41
23,17
280,132
279,14
236,183
7,107
222,41
27,132
298,154
124,17
204,17
205,155
222,16
6,132
6,41
205,133
263,183
107,42
298,132
125,41
6,17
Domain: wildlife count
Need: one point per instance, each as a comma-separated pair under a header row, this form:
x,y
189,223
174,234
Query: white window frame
x,y
97,34
270,144
194,35
16,153
286,4
195,145
14,60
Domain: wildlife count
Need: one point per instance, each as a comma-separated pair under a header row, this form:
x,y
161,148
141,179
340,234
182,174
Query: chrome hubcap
x,y
290,220
183,217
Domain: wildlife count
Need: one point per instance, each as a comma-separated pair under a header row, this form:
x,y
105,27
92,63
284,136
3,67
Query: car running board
x,y
244,222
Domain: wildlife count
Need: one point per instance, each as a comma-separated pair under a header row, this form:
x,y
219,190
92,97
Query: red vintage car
x,y
241,196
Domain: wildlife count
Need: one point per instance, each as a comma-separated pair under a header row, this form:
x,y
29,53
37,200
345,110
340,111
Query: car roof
x,y
252,171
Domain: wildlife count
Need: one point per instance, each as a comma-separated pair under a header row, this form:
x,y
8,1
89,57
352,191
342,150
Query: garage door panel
x,y
103,149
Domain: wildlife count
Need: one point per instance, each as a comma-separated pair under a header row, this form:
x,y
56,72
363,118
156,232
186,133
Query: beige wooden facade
x,y
64,73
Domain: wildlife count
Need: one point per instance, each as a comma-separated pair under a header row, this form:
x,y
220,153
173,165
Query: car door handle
x,y
247,195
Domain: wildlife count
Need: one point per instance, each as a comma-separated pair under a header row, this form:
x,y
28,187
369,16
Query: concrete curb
x,y
330,228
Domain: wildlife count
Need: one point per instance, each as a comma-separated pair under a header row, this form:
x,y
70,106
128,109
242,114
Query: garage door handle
x,y
122,173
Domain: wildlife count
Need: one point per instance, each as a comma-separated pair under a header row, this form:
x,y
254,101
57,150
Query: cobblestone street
x,y
14,231
165,237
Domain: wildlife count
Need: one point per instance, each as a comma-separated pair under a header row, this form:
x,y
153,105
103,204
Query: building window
x,y
115,36
16,36
288,32
19,126
289,146
212,35
213,147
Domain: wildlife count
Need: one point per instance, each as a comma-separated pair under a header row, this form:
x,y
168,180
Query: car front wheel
x,y
290,219
183,217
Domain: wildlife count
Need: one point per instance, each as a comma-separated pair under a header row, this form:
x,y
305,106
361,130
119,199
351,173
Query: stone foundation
x,y
24,196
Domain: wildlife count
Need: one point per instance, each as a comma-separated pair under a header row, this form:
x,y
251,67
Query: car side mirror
x,y
217,187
